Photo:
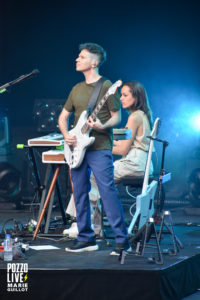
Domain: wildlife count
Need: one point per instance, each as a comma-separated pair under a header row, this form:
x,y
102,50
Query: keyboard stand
x,y
50,140
47,201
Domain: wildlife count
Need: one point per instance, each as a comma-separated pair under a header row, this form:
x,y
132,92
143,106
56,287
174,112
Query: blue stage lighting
x,y
186,118
195,122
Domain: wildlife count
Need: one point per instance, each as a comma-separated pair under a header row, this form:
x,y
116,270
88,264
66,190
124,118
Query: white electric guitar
x,y
74,154
145,201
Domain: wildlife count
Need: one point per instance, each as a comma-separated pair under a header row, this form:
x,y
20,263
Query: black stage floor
x,y
56,274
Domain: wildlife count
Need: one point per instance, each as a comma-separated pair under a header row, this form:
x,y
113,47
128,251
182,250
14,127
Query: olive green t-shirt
x,y
77,102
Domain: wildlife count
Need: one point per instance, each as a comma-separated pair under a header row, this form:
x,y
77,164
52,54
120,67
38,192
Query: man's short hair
x,y
95,49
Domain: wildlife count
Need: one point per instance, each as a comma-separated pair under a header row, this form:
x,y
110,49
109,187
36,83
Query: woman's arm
x,y
112,122
122,147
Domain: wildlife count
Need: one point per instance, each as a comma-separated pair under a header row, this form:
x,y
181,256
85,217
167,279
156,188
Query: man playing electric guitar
x,y
98,156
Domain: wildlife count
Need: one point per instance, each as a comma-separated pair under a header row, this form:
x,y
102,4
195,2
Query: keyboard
x,y
52,139
53,157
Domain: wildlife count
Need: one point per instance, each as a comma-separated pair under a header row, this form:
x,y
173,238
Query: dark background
x,y
154,42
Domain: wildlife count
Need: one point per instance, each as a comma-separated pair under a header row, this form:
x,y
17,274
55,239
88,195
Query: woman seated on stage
x,y
133,151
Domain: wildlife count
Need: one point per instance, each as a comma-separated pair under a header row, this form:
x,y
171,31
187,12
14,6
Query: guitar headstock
x,y
112,90
156,126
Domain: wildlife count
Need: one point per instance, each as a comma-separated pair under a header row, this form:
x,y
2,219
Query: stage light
x,y
195,122
186,119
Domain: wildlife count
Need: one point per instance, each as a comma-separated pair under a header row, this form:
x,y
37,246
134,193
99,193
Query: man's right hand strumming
x,y
70,140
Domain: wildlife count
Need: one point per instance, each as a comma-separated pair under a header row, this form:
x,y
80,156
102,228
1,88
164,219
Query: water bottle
x,y
8,251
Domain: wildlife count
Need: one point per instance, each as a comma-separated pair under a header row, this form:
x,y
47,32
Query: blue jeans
x,y
101,164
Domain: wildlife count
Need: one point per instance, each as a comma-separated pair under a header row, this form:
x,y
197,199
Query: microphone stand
x,y
161,216
4,87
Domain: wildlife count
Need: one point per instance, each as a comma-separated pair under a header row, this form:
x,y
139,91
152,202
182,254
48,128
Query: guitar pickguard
x,y
74,154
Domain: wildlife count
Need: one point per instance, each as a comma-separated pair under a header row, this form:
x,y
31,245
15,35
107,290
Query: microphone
x,y
33,73
21,78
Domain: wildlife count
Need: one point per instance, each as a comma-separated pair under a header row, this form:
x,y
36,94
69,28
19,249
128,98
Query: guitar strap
x,y
95,94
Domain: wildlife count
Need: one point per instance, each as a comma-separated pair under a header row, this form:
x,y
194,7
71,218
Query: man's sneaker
x,y
82,247
119,248
72,232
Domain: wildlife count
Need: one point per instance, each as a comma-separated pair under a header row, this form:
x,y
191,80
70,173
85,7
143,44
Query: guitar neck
x,y
99,106
111,91
148,164
146,175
